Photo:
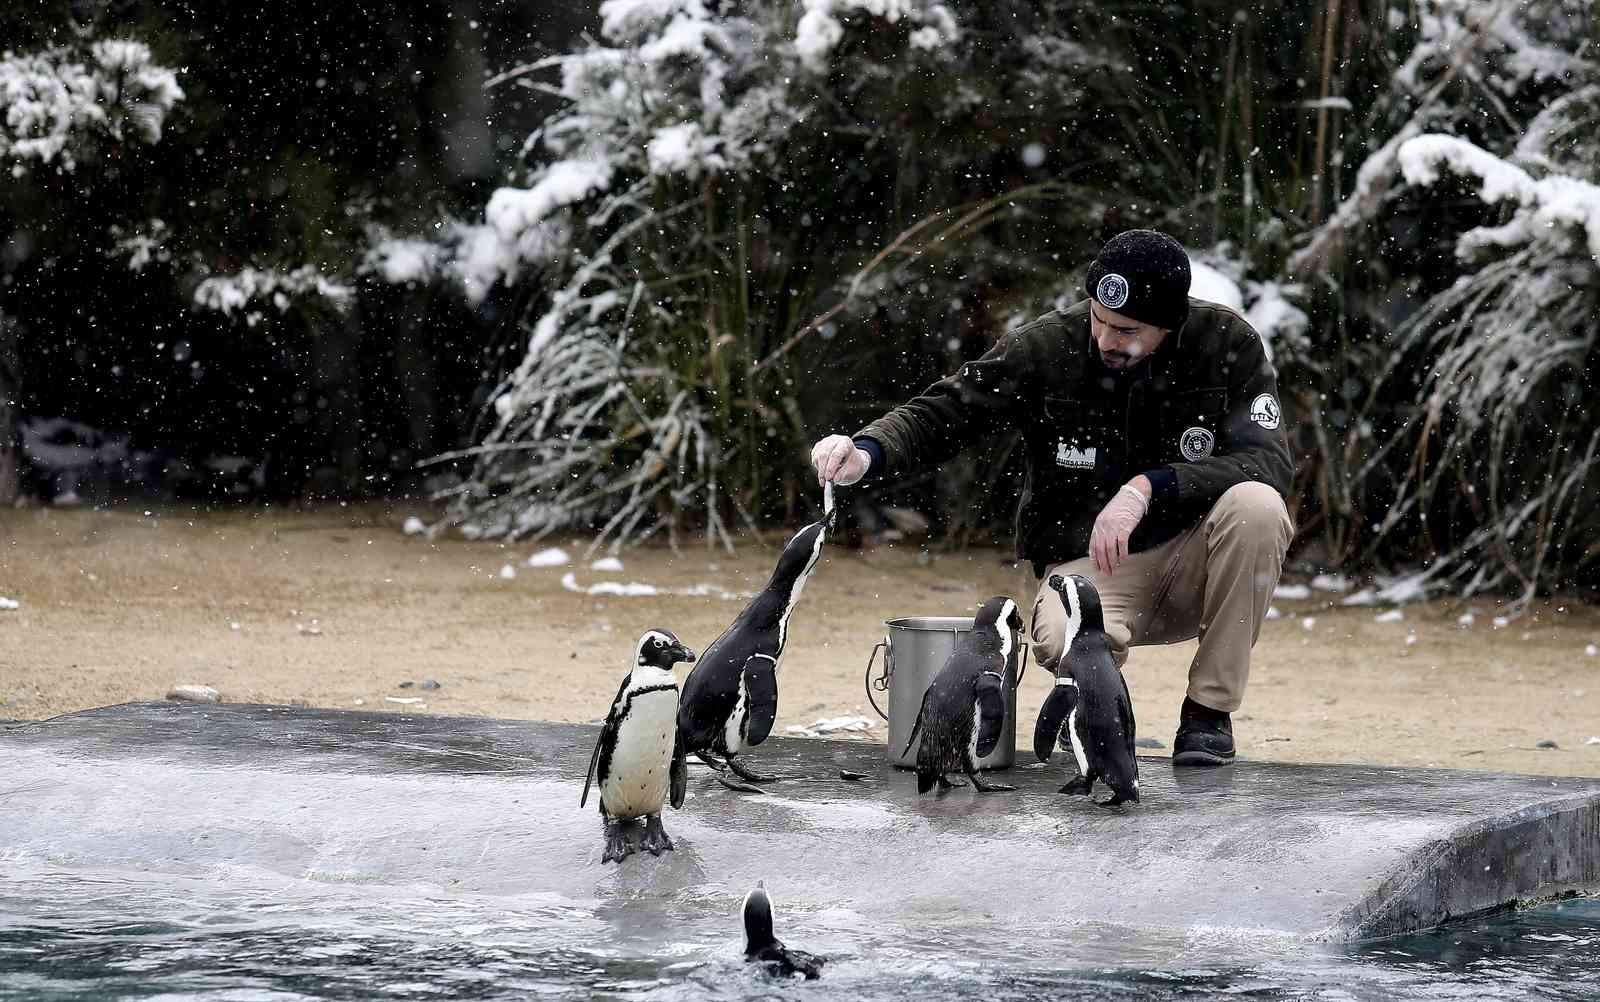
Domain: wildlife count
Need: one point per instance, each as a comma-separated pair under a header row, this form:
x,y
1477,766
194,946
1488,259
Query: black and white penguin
x,y
762,947
1089,704
730,698
964,710
636,760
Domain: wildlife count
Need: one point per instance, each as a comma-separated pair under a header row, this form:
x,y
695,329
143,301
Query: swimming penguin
x,y
964,710
636,760
762,947
1089,703
730,698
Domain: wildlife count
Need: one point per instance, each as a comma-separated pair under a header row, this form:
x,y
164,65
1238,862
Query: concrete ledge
x,y
491,806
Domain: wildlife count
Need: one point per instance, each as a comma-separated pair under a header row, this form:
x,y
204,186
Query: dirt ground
x,y
337,607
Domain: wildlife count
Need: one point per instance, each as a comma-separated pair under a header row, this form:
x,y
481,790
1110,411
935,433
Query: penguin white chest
x,y
641,764
733,728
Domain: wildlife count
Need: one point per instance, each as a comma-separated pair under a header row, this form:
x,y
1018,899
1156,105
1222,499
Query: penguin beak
x,y
682,653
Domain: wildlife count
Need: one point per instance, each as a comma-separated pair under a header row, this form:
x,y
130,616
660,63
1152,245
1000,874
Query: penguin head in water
x,y
757,919
1082,602
763,946
661,649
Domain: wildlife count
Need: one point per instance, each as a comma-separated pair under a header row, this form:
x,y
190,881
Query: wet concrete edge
x,y
1541,853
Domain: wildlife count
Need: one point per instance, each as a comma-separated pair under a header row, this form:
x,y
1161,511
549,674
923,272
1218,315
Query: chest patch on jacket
x,y
1074,458
1196,443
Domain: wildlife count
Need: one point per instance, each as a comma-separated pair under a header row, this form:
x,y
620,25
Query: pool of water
x,y
244,935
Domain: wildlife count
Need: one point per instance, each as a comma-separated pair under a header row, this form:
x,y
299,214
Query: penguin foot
x,y
985,787
715,765
734,784
946,784
748,775
618,845
1078,788
656,841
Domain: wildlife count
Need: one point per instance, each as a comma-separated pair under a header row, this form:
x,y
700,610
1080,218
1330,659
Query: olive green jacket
x,y
1199,416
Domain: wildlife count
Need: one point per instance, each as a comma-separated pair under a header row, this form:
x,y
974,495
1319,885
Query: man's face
x,y
1123,341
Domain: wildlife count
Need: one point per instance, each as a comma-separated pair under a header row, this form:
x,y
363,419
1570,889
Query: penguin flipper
x,y
916,727
761,697
990,696
607,730
679,776
1055,711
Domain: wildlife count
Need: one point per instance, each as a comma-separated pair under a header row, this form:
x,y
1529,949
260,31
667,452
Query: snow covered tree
x,y
61,109
1476,441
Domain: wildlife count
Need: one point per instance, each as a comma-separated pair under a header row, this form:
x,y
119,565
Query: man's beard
x,y
1116,360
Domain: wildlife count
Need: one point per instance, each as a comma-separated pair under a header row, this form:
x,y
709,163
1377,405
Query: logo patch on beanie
x,y
1197,443
1112,291
1265,412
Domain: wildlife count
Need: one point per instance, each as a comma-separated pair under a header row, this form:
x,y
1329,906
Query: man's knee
x,y
1256,509
1048,630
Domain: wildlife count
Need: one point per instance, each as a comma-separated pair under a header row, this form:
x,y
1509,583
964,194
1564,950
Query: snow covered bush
x,y
1472,444
719,186
55,103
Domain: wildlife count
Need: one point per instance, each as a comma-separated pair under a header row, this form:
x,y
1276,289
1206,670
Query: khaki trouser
x,y
1211,582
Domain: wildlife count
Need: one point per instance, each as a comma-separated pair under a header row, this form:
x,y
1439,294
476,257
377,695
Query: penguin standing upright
x,y
1090,702
730,698
762,947
964,710
636,759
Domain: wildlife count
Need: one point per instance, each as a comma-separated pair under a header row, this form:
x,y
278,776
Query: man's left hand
x,y
1108,543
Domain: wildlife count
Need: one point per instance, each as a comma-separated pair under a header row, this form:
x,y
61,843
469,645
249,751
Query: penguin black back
x,y
762,946
740,666
963,711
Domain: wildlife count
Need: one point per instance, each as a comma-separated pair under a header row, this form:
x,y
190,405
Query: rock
x,y
194,694
405,685
1147,743
1291,592
507,572
1392,616
1547,743
9,603
414,526
428,683
555,556
606,564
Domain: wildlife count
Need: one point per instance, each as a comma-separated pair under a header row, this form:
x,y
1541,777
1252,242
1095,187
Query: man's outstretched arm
x,y
980,399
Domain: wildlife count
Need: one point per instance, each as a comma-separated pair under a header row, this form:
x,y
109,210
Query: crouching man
x,y
1157,467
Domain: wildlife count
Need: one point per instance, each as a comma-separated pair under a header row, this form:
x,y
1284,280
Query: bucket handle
x,y
881,683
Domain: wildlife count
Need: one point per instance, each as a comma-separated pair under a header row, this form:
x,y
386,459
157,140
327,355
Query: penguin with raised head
x,y
964,710
1089,705
762,947
730,698
636,760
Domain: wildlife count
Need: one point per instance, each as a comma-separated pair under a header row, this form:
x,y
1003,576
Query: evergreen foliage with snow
x,y
57,104
1475,446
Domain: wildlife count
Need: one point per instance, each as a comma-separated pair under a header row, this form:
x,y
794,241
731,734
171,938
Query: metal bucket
x,y
914,650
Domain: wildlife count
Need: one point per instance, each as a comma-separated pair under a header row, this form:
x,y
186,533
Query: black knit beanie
x,y
1144,275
